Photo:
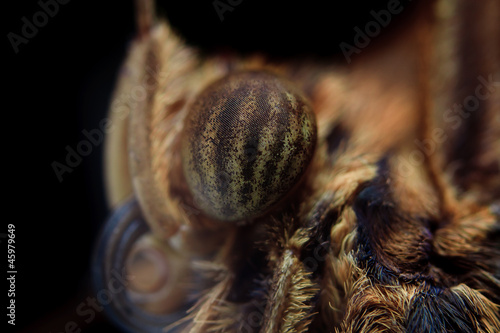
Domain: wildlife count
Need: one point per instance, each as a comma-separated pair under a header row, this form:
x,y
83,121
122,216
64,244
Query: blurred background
x,y
59,84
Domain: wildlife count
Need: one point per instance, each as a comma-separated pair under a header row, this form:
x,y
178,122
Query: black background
x,y
59,84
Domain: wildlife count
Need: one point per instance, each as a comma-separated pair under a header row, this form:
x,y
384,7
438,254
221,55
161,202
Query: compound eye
x,y
247,140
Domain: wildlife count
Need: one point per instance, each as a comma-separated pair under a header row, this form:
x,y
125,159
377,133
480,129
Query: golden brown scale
x,y
394,226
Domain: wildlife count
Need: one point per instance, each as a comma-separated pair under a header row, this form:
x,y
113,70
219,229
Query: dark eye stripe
x,y
277,149
292,158
213,144
249,159
228,117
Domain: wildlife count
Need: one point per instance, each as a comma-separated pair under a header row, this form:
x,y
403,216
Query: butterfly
x,y
255,194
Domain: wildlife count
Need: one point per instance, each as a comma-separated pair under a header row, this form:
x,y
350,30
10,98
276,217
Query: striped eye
x,y
247,140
